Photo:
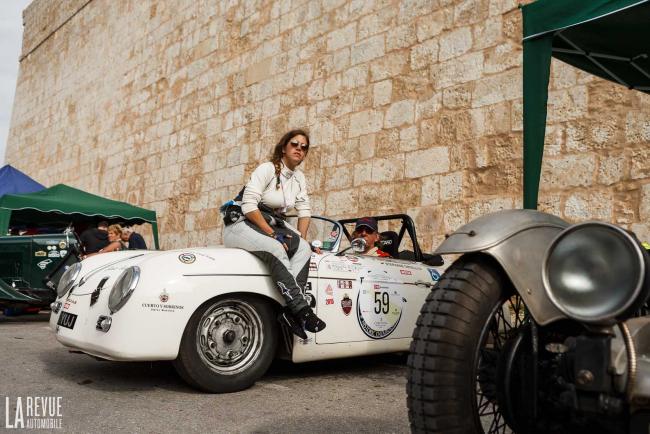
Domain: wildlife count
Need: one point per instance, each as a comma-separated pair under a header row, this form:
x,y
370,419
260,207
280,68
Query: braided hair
x,y
276,156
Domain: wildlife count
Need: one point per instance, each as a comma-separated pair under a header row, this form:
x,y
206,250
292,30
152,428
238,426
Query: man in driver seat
x,y
367,228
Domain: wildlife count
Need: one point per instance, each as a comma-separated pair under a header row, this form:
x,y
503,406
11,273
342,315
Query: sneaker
x,y
311,322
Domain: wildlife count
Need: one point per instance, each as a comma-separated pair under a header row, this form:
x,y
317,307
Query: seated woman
x,y
115,243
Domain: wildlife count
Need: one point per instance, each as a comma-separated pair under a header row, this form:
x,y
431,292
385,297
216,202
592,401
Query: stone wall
x,y
413,106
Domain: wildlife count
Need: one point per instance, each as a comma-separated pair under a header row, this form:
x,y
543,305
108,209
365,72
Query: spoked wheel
x,y
228,344
503,325
455,367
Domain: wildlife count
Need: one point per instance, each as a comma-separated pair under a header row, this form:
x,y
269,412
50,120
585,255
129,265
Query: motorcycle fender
x,y
518,240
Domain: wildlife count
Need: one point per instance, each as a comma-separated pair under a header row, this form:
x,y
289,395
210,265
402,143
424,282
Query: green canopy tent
x,y
607,38
61,203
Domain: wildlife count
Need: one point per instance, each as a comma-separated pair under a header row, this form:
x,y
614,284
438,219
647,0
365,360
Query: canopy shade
x,y
13,181
607,38
64,204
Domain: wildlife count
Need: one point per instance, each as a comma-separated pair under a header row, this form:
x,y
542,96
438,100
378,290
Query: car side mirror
x,y
359,245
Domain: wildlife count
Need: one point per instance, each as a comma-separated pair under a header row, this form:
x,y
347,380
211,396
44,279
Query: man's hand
x,y
282,239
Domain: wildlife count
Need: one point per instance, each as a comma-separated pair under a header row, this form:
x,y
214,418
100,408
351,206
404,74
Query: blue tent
x,y
13,181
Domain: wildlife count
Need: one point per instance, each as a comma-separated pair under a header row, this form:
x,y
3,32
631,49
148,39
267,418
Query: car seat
x,y
388,242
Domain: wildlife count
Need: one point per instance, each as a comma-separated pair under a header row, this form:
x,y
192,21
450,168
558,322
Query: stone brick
x,y
451,186
427,162
458,70
611,169
588,206
570,171
424,54
455,43
430,26
382,92
367,50
399,113
637,127
644,207
391,65
340,38
567,104
430,190
497,88
369,121
400,37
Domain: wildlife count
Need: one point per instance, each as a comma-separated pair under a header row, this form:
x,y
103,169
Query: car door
x,y
364,298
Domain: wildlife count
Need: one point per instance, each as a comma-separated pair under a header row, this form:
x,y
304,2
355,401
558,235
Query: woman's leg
x,y
300,263
274,256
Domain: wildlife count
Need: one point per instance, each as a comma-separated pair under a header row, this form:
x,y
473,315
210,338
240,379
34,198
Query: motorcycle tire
x,y
444,354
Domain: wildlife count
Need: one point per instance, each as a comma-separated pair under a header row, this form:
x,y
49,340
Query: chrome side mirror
x,y
359,245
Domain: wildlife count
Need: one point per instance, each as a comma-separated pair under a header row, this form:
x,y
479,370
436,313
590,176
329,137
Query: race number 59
x,y
382,301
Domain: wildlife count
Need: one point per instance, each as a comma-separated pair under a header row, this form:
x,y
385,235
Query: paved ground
x,y
351,395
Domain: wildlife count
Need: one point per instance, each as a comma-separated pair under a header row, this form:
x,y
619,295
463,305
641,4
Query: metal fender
x,y
518,240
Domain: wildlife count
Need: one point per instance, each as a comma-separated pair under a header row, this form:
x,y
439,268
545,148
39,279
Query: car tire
x,y
228,344
449,343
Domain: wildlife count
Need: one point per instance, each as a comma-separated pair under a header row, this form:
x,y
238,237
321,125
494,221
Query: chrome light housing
x,y
596,273
123,288
67,279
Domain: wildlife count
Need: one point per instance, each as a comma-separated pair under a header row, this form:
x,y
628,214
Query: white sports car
x,y
213,311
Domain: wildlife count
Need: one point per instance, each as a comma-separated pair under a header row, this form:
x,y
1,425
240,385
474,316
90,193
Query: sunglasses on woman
x,y
296,144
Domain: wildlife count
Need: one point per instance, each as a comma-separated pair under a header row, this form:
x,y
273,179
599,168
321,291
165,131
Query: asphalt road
x,y
349,395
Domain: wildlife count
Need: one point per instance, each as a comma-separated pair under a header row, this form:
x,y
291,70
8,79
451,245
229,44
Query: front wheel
x,y
228,344
453,381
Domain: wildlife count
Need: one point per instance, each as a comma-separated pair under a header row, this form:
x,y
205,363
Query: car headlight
x,y
123,288
596,273
67,279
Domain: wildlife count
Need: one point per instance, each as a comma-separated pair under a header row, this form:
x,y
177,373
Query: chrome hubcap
x,y
229,336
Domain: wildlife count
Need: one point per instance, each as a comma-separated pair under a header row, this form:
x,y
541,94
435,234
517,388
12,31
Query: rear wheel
x,y
461,335
228,344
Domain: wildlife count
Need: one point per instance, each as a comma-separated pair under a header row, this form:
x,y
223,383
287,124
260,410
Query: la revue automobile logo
x,y
33,412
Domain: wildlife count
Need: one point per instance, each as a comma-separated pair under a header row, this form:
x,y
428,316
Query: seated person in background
x,y
132,239
367,228
115,241
94,239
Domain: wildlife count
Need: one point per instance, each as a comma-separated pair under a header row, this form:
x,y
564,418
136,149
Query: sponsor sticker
x,y
435,276
54,254
379,312
40,253
63,253
405,272
62,244
344,284
44,263
187,258
162,307
346,304
329,301
164,297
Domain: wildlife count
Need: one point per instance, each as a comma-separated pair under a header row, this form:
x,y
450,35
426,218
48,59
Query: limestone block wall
x,y
413,106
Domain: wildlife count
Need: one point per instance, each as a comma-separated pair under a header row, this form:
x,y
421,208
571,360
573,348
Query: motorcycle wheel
x,y
460,333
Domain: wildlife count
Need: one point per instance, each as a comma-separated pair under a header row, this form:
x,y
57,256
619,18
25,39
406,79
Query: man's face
x,y
125,236
370,235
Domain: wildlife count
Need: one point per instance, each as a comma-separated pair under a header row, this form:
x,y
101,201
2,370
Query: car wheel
x,y
453,376
228,344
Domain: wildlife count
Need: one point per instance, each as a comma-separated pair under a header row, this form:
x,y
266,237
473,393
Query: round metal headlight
x,y
123,288
67,279
596,273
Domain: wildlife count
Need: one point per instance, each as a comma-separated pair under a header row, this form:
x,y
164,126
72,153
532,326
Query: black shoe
x,y
311,322
287,319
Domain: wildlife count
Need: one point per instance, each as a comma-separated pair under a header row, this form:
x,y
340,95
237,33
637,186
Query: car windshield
x,y
326,231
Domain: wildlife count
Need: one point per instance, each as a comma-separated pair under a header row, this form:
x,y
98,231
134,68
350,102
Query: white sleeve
x,y
260,179
303,207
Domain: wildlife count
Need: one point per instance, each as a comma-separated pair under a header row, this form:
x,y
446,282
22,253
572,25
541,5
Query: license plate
x,y
67,320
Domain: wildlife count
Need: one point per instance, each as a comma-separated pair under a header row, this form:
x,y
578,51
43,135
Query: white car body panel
x,y
173,284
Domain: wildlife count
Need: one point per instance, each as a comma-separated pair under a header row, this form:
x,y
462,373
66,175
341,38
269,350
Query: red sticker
x,y
346,305
407,272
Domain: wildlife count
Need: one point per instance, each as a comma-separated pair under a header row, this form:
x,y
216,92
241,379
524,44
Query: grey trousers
x,y
289,274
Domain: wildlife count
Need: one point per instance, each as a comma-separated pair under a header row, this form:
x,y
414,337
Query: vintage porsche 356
x,y
213,310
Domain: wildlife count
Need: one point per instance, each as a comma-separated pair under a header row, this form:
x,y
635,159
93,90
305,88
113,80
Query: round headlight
x,y
123,288
595,272
67,279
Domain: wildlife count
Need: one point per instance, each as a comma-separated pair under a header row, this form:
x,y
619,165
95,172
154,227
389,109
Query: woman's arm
x,y
115,245
303,226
